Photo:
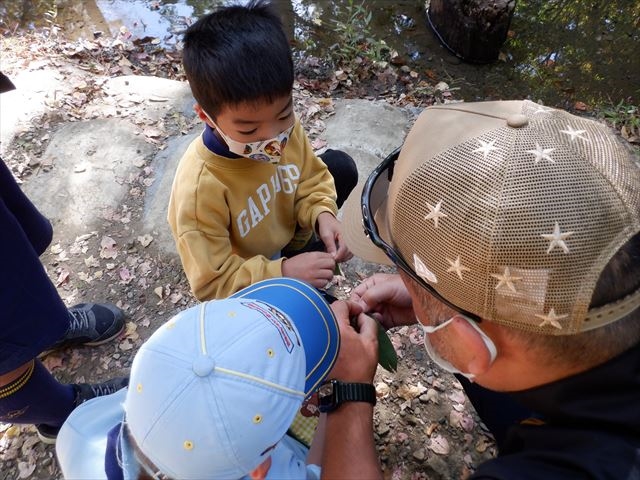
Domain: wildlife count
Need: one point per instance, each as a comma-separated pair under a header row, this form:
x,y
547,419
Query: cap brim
x,y
313,319
353,230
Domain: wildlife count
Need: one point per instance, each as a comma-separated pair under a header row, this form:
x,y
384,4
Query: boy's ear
x,y
201,115
260,472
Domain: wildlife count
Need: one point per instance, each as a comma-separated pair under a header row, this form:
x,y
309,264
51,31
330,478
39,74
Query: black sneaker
x,y
87,391
91,324
84,391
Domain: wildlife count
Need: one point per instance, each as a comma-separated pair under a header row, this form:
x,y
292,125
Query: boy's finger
x,y
331,247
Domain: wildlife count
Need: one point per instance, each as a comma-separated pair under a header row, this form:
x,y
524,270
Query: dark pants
x,y
344,172
33,316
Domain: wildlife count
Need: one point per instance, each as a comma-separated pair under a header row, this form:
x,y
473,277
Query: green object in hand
x,y
387,356
337,271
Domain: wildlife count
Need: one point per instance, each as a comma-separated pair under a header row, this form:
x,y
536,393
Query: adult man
x,y
34,319
516,231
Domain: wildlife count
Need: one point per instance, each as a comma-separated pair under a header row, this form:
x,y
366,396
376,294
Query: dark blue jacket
x,y
591,428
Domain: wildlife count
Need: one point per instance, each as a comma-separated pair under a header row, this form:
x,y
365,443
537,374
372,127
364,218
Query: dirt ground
x,y
424,426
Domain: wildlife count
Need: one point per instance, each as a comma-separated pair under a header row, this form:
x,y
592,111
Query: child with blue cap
x,y
213,398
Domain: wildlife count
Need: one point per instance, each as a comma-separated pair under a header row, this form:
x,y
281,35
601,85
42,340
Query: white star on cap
x,y
551,318
422,270
457,267
506,279
434,213
575,133
557,239
486,148
542,109
542,153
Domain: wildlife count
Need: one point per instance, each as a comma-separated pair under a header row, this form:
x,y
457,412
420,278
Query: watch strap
x,y
334,393
357,392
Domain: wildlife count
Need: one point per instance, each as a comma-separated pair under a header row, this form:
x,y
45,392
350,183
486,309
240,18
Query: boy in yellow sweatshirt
x,y
250,196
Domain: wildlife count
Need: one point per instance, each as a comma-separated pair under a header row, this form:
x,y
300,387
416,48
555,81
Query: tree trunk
x,y
474,30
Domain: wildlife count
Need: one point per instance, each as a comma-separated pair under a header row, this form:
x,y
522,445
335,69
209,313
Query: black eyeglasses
x,y
376,187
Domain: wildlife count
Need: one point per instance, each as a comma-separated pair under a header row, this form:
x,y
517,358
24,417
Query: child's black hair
x,y
238,54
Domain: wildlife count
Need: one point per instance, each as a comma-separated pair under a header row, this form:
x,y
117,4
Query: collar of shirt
x,y
214,144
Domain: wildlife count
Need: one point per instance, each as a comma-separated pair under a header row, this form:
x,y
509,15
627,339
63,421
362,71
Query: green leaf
x,y
387,356
336,270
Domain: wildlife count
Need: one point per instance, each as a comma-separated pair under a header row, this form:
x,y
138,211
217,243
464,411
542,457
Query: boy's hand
x,y
385,297
330,232
315,268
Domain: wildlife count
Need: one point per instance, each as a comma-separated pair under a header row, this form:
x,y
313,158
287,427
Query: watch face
x,y
325,390
327,397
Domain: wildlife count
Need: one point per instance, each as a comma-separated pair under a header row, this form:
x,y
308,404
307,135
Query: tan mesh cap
x,y
510,210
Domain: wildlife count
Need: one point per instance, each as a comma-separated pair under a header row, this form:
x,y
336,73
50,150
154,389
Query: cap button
x,y
517,120
203,366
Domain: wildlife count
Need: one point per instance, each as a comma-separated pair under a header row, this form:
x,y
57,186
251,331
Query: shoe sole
x,y
46,440
43,354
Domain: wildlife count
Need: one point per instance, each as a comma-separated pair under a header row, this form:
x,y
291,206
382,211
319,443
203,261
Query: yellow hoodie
x,y
231,217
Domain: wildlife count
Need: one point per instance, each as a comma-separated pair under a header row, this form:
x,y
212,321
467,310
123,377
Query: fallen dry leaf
x,y
130,329
63,276
91,261
53,361
25,469
145,240
108,248
409,392
439,445
382,390
125,275
125,345
483,444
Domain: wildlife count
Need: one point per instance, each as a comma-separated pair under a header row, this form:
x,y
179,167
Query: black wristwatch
x,y
334,393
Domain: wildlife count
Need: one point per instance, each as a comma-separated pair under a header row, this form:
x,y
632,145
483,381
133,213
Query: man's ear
x,y
201,115
477,357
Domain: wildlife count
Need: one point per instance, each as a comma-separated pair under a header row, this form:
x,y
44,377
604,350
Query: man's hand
x,y
349,447
329,231
358,356
386,298
315,268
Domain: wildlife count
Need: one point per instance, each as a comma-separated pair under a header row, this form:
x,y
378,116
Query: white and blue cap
x,y
215,388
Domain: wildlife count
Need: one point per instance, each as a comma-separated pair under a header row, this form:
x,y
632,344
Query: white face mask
x,y
445,364
268,151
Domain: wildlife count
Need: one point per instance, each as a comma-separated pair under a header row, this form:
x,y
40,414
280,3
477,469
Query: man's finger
x,y
341,311
367,326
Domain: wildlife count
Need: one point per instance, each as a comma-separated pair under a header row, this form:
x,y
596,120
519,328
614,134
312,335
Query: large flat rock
x,y
157,197
34,95
92,162
149,99
367,130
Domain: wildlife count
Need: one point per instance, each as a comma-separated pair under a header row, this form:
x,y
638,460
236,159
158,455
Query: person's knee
x,y
341,163
344,171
